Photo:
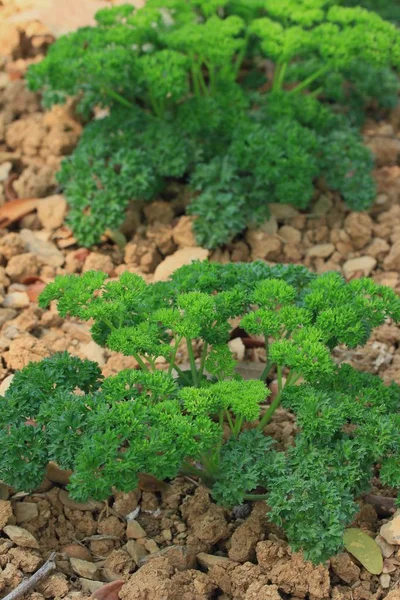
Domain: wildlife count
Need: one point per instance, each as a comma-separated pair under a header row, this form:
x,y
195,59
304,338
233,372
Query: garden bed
x,y
184,545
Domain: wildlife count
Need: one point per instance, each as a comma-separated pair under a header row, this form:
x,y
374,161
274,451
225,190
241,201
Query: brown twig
x,y
32,582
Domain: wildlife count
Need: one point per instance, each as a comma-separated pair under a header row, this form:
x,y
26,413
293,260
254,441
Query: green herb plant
x,y
206,420
189,100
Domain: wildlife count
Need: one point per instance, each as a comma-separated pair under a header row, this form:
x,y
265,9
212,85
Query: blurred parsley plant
x,y
108,430
185,84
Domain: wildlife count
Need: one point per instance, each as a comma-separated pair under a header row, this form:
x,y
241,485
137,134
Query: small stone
x,y
16,300
207,561
136,551
96,261
282,211
264,245
167,535
362,264
51,211
237,348
135,530
5,169
77,551
290,234
321,251
386,548
151,546
384,580
392,260
94,352
322,206
183,256
181,527
391,531
84,568
5,384
45,251
88,585
21,536
25,511
6,314
270,226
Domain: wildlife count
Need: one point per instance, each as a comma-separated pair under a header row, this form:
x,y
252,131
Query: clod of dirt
x,y
98,262
345,569
156,580
235,579
134,530
20,267
207,520
244,540
23,350
291,573
45,251
5,512
23,559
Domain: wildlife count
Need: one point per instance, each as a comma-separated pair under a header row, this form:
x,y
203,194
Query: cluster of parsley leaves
x,y
171,421
189,97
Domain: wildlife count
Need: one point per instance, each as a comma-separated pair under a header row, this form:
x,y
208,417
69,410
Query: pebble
x,y
16,300
167,535
77,551
6,314
136,551
46,251
5,384
57,475
183,256
135,530
390,531
363,264
385,580
88,585
290,234
151,546
386,548
84,568
110,591
51,211
5,169
25,511
321,251
21,536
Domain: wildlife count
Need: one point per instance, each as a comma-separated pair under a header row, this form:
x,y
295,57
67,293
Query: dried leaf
x,y
16,209
364,549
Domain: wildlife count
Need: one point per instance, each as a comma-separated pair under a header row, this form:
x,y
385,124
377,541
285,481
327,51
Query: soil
x,y
164,542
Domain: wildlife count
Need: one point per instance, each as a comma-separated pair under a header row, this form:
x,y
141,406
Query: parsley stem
x,y
142,364
192,361
279,76
173,355
203,359
181,374
255,497
113,94
304,84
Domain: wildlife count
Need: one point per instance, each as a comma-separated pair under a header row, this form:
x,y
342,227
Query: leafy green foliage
x,y
148,421
189,76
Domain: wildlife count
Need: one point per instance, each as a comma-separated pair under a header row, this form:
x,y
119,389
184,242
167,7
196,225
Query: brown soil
x,y
168,542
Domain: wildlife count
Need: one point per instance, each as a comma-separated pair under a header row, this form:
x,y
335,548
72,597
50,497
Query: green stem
x,y
304,84
255,497
240,57
203,359
142,364
113,94
230,422
181,374
173,355
192,361
238,425
268,366
291,378
279,76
